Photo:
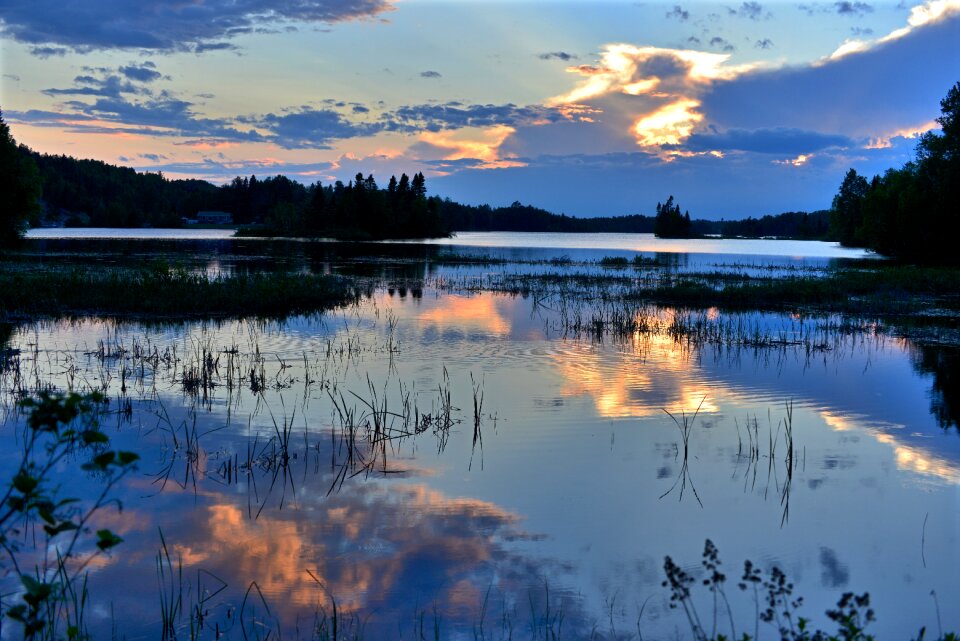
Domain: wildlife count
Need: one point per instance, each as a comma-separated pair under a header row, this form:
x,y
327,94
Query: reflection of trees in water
x,y
944,364
6,332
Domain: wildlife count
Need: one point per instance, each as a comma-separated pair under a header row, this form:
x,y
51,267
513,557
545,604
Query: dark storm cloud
x,y
782,141
557,55
164,25
765,43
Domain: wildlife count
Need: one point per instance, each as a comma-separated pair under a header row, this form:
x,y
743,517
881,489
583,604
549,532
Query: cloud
x,y
557,55
48,52
780,140
848,8
124,109
481,149
734,186
147,72
309,128
679,13
931,12
111,86
841,94
722,44
766,43
430,74
220,170
12,76
204,47
861,31
751,10
164,25
455,115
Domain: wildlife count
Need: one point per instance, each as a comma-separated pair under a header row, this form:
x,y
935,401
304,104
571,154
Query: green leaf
x,y
126,458
57,529
107,539
24,483
94,436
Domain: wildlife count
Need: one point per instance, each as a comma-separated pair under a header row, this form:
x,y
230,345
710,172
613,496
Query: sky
x,y
589,108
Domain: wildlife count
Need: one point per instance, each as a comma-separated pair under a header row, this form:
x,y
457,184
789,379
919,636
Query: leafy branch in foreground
x,y
50,601
774,604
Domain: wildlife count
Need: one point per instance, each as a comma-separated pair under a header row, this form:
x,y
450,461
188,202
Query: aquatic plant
x,y
53,595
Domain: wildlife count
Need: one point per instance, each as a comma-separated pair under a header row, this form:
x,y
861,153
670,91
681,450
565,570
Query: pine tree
x,y
19,187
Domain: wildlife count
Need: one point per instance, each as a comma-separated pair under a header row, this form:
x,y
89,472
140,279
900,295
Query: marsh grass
x,y
162,292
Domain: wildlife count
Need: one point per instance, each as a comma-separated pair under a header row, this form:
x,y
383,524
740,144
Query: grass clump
x,y
163,292
614,262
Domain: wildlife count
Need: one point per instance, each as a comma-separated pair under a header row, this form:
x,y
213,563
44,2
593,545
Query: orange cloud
x,y
884,142
472,144
669,125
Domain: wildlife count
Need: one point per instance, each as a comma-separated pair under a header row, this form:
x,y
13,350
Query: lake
x,y
524,240
446,453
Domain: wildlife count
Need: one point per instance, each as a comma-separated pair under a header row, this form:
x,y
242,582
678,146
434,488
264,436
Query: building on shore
x,y
214,218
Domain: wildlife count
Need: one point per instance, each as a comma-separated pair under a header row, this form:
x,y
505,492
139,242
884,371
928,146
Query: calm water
x,y
564,496
527,240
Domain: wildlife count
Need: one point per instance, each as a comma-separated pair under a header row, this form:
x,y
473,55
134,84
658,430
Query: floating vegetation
x,y
162,292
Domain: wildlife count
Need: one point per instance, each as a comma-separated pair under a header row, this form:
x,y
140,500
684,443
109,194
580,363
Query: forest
x,y
905,212
82,193
901,214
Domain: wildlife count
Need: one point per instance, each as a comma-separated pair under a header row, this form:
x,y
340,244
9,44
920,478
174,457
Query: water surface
x,y
533,466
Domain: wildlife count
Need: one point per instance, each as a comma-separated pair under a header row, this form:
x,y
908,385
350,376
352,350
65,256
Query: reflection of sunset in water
x,y
635,385
909,458
467,312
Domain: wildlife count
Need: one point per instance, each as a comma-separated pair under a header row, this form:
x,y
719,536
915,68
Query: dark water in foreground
x,y
561,493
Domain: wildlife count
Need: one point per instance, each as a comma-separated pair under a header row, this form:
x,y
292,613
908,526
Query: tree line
x,y
907,213
902,213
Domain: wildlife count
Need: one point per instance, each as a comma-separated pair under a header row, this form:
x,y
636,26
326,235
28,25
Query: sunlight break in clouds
x,y
668,125
485,145
674,75
920,15
885,141
620,65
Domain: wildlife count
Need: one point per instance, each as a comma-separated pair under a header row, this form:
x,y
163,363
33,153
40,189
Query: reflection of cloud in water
x,y
626,385
908,457
378,549
457,312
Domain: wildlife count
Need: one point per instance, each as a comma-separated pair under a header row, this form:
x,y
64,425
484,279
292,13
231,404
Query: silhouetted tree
x,y
19,187
846,215
670,223
907,212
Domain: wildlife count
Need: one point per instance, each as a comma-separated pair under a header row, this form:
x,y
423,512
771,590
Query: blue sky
x,y
588,108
